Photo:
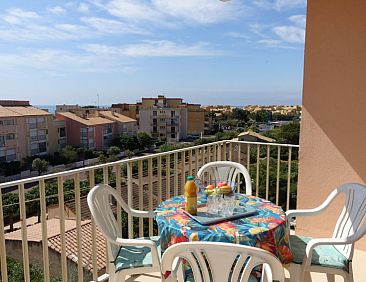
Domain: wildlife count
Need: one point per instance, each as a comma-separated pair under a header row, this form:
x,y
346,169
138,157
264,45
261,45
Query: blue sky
x,y
206,51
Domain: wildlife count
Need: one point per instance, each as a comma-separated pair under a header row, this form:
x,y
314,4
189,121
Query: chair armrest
x,y
308,212
135,242
144,214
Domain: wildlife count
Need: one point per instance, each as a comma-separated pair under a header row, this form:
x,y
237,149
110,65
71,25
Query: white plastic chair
x,y
221,262
331,255
125,256
226,170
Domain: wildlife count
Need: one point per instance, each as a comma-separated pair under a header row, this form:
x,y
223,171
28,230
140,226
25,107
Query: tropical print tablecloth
x,y
266,229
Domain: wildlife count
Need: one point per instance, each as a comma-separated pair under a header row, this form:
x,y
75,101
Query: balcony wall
x,y
333,127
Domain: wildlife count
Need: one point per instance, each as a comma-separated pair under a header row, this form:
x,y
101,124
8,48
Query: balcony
x,y
70,233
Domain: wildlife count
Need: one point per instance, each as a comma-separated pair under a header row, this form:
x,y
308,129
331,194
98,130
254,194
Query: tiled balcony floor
x,y
359,272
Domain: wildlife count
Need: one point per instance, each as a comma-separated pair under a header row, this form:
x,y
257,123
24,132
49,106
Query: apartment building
x,y
95,129
169,119
27,131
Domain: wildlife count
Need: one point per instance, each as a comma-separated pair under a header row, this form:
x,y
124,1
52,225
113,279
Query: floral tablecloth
x,y
266,229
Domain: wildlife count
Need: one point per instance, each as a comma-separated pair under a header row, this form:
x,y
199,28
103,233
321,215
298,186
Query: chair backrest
x,y
226,170
351,221
222,261
99,202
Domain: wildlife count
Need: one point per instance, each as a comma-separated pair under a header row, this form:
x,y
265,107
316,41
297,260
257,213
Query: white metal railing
x,y
143,182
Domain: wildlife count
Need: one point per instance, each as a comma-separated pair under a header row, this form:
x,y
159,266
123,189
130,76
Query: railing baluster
x,y
167,176
267,172
278,174
105,175
117,167
129,198
219,151
159,181
239,153
230,151
60,185
4,271
257,175
94,232
215,152
288,178
23,220
141,197
176,174
197,165
183,156
150,174
248,158
78,227
203,149
190,162
42,198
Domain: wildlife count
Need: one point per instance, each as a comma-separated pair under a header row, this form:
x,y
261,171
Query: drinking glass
x,y
228,205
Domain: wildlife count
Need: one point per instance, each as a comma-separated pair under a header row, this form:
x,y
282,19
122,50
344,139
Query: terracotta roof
x,y
34,232
86,246
116,116
22,111
90,121
257,135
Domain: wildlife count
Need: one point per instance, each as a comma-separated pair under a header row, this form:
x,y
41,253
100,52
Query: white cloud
x,y
19,16
57,10
83,8
292,33
279,5
199,11
173,12
298,20
238,35
289,4
162,48
104,25
59,62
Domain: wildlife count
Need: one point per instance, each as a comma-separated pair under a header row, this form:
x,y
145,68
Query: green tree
x,y
128,142
69,154
113,153
102,158
39,165
289,133
240,114
11,207
145,141
129,154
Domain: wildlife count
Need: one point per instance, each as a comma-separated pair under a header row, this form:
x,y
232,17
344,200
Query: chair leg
x,y
330,277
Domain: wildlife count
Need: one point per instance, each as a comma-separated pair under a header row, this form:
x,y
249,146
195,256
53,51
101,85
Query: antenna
x,y
98,100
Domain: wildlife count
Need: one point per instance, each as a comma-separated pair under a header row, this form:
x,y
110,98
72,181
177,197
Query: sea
x,y
50,108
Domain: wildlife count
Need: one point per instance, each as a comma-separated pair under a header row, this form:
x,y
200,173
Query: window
x,y
154,113
172,135
42,147
40,119
83,132
62,132
107,129
155,129
10,136
2,141
154,120
173,129
41,135
7,122
172,113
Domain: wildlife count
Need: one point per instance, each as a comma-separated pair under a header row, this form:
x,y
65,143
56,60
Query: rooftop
x,y
19,111
88,121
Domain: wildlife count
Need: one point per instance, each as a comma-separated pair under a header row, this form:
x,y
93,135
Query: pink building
x,y
95,129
